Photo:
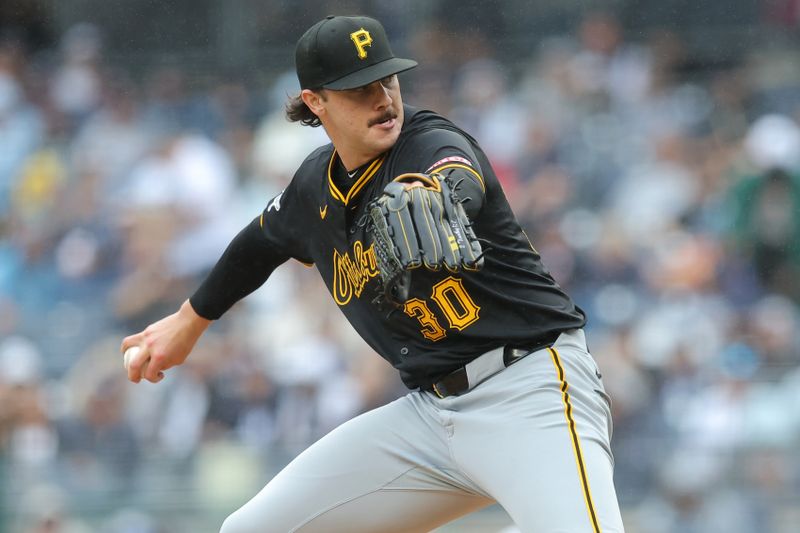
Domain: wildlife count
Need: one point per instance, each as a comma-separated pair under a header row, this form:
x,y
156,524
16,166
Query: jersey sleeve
x,y
284,222
440,151
251,257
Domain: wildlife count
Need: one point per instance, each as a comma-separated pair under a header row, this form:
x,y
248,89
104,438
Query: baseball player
x,y
408,226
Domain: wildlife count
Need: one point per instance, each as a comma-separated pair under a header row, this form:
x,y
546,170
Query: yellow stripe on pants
x,y
576,443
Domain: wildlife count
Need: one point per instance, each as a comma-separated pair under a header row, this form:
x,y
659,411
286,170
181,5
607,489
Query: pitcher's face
x,y
363,122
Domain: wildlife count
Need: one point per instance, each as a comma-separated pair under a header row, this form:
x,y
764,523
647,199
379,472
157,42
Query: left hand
x,y
419,221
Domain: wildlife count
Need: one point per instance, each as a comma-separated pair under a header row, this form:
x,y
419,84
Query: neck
x,y
352,161
351,156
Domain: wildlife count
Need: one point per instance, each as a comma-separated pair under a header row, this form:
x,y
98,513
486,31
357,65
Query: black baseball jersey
x,y
449,319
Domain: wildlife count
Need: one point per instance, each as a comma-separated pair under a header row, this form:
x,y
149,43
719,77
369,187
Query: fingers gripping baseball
x,y
136,363
162,345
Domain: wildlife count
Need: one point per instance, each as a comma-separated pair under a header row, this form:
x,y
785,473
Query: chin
x,y
375,147
387,139
385,147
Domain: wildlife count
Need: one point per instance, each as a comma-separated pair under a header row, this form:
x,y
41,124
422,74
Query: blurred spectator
x,y
654,196
175,210
607,67
766,206
694,498
45,509
279,146
77,83
21,128
112,140
99,448
485,107
171,102
184,411
26,431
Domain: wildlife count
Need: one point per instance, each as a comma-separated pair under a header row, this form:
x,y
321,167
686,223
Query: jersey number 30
x,y
454,303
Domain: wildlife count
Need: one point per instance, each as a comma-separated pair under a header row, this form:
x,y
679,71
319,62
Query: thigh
x,y
543,452
386,470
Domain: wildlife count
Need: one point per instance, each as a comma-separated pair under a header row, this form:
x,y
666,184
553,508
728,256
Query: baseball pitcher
x,y
408,226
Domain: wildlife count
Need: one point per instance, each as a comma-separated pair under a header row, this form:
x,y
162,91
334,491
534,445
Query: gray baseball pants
x,y
534,438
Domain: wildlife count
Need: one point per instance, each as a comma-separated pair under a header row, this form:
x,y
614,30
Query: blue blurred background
x,y
650,148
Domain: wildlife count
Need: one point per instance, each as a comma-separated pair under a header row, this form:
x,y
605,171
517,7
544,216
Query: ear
x,y
314,100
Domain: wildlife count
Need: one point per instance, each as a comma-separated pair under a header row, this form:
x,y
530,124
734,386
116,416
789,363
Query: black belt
x,y
457,382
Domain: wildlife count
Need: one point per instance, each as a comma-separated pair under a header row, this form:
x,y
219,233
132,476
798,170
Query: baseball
x,y
130,353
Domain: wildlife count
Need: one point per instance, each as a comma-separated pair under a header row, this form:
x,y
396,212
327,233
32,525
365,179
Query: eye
x,y
388,81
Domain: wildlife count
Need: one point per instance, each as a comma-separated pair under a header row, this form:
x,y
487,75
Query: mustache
x,y
389,115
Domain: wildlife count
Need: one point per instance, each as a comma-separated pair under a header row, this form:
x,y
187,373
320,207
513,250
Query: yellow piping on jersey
x,y
530,243
371,170
438,170
576,443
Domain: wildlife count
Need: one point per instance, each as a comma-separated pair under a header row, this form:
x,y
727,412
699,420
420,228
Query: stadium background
x,y
650,148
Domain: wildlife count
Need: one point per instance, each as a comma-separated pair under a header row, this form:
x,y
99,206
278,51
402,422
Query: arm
x,y
468,186
445,152
244,266
164,344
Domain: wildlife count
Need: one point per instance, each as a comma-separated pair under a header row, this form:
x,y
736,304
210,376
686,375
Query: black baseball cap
x,y
345,53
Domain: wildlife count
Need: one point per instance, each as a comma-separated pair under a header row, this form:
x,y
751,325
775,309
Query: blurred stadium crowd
x,y
666,201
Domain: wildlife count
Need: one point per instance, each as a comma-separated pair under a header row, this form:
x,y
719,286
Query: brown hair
x,y
298,111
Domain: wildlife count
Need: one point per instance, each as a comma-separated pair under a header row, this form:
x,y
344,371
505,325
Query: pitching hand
x,y
164,344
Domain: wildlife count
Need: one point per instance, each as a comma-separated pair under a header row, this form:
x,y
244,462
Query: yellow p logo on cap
x,y
361,39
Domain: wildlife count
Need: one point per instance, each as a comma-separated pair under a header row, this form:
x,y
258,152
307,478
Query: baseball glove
x,y
419,221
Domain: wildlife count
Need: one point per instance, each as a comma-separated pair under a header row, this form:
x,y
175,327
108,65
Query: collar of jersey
x,y
361,180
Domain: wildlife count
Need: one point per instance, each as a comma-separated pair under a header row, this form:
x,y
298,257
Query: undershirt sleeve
x,y
243,267
251,257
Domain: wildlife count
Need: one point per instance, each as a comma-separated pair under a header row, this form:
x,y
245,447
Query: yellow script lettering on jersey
x,y
351,274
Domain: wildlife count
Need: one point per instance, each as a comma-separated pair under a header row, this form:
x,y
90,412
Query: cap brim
x,y
372,73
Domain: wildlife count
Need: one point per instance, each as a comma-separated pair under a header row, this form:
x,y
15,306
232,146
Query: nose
x,y
382,96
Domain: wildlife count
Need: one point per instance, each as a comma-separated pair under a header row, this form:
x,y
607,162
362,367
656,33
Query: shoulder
x,y
314,166
426,133
319,157
428,126
421,119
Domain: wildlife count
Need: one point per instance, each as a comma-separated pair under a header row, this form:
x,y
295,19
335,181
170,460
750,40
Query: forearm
x,y
243,267
468,188
195,323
